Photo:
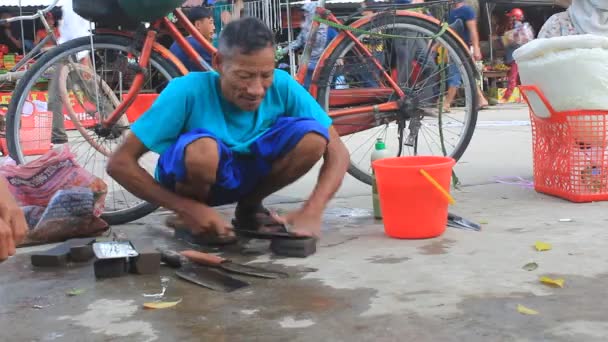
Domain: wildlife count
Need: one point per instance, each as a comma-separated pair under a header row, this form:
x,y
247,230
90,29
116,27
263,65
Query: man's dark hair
x,y
248,35
198,13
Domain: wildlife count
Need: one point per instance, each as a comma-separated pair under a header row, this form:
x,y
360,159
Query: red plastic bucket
x,y
412,207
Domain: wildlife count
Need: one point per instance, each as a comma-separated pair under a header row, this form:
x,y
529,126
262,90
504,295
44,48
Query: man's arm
x,y
472,26
307,220
125,169
335,163
9,35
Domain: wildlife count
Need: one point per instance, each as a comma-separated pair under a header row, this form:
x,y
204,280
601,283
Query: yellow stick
x,y
439,187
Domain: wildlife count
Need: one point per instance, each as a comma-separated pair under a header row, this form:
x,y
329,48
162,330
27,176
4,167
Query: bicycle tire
x,y
48,59
327,64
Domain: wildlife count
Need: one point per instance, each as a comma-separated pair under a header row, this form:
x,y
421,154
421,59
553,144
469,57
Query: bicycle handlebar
x,y
31,17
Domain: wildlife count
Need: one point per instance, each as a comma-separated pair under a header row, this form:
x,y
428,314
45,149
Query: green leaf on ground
x,y
531,266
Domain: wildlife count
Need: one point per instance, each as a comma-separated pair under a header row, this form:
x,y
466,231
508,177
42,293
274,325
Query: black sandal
x,y
182,231
258,224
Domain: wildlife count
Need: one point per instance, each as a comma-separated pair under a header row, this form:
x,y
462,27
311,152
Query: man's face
x,y
206,27
244,78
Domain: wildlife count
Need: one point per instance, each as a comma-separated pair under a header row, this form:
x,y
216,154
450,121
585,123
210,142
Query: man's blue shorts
x,y
237,174
454,77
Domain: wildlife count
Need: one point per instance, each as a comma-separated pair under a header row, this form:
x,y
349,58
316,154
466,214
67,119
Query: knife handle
x,y
202,258
172,258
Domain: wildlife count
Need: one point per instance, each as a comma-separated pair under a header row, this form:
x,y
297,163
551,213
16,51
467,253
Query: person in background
x,y
466,14
582,17
7,37
516,18
71,26
324,36
12,222
41,33
202,19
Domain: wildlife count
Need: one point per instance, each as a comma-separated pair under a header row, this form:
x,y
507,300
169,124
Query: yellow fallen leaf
x,y
542,246
74,292
526,311
161,305
553,282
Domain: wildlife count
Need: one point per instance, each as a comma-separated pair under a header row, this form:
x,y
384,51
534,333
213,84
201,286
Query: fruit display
x,y
497,67
9,61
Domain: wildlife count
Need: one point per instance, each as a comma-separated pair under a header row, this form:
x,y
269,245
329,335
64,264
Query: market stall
x,y
492,21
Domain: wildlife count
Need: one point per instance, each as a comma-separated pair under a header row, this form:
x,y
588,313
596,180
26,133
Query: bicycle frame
x,y
356,96
146,52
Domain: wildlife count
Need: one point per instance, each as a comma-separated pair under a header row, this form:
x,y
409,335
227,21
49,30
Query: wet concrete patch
x,y
564,315
436,247
111,309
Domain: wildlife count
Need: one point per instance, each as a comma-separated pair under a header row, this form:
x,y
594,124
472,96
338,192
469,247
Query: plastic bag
x,y
36,182
518,36
60,199
68,215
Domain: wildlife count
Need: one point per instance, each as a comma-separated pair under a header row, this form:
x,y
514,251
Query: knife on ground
x,y
230,266
207,277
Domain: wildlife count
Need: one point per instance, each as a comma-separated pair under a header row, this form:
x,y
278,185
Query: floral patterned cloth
x,y
558,25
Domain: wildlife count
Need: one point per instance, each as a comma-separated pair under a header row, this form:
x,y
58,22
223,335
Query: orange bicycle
x,y
383,76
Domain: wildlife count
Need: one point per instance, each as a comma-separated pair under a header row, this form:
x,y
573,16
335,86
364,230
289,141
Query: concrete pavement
x,y
361,285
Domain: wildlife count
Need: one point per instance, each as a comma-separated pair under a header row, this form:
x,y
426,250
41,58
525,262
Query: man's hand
x,y
12,227
302,222
204,219
477,54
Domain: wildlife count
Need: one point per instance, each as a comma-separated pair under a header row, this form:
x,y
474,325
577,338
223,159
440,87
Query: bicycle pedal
x,y
410,141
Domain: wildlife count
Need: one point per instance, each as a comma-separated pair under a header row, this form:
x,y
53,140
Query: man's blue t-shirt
x,y
181,54
195,101
464,13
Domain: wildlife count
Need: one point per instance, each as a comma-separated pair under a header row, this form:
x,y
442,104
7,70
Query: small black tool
x,y
147,261
60,254
456,221
298,247
283,243
110,268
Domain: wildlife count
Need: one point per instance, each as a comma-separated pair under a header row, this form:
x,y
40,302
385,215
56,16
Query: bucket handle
x,y
437,186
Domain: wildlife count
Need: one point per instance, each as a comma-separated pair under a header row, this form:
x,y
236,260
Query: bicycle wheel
x,y
348,79
79,97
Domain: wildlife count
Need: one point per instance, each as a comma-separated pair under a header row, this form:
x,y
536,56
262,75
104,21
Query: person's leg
x,y
449,98
483,102
453,82
55,105
308,78
284,154
512,77
288,169
201,159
